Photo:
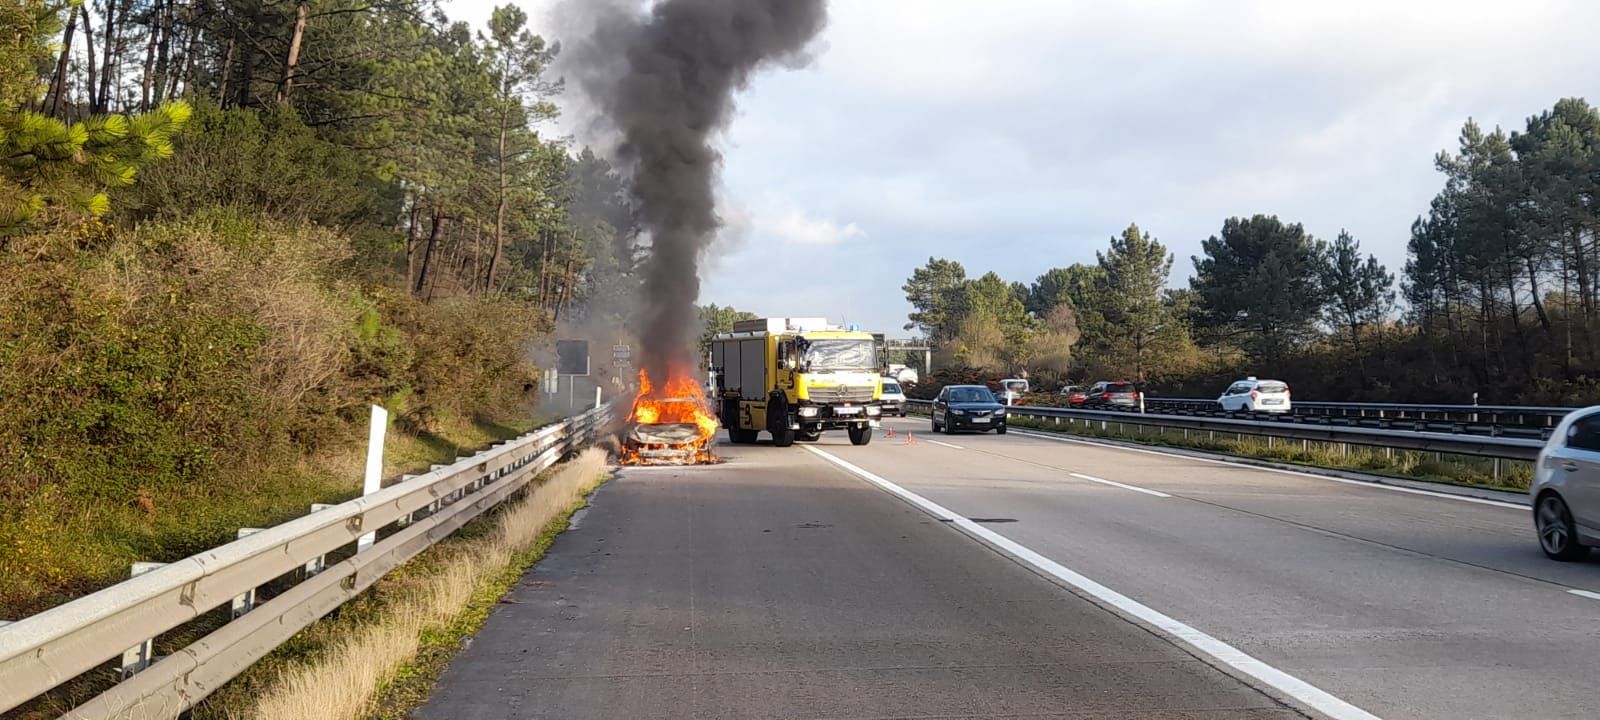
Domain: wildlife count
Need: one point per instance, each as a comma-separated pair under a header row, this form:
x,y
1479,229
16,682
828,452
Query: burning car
x,y
670,427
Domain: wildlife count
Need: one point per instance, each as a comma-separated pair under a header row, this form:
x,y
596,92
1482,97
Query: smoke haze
x,y
662,81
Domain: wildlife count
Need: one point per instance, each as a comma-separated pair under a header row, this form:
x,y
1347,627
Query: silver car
x,y
1566,487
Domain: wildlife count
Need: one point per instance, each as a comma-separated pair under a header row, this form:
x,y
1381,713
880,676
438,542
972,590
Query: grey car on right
x,y
1566,487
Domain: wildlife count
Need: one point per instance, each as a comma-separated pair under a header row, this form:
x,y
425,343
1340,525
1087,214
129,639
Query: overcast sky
x,y
1019,135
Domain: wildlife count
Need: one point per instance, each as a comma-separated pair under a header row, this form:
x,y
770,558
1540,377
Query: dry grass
x,y
341,682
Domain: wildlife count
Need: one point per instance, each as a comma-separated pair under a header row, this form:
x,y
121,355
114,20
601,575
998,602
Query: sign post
x,y
572,360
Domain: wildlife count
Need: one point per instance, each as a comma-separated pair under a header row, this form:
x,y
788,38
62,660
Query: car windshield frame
x,y
892,387
1272,386
971,395
838,355
1121,388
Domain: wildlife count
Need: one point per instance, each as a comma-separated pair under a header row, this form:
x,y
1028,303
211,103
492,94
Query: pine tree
x,y
1134,320
53,170
1360,292
1259,280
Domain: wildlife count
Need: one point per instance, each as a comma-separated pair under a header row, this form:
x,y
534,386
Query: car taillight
x,y
1253,394
1106,396
1286,389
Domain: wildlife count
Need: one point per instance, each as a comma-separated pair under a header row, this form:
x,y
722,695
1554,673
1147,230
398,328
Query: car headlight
x,y
873,410
958,412
1000,413
808,411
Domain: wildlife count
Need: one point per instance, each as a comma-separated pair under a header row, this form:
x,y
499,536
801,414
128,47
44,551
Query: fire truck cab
x,y
795,378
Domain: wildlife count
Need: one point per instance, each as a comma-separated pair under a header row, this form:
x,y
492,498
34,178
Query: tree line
x,y
1499,297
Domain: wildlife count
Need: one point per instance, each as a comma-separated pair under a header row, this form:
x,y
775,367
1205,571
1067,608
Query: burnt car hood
x,y
664,433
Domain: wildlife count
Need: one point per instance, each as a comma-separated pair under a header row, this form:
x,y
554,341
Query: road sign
x,y
621,352
572,357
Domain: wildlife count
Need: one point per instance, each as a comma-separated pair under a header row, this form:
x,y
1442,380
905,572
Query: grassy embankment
x,y
163,386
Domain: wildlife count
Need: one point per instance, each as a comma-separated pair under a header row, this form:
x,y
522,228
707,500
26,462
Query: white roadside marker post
x,y
374,477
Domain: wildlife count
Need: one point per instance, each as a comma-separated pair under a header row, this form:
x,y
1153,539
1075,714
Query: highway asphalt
x,y
1023,576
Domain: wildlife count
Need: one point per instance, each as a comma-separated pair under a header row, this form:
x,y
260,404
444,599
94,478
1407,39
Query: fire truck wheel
x,y
778,422
860,434
809,435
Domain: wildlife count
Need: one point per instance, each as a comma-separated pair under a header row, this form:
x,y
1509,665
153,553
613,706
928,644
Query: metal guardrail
x,y
1458,444
46,650
1547,415
1535,422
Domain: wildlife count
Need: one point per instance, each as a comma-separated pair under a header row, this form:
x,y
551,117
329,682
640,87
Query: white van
x,y
1011,390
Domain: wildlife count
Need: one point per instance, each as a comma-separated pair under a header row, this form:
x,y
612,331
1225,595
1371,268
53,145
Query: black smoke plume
x,y
664,80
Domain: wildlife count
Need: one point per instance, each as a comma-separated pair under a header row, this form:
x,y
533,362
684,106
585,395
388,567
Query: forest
x,y
1498,301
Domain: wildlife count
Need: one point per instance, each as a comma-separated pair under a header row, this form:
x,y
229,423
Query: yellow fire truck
x,y
795,378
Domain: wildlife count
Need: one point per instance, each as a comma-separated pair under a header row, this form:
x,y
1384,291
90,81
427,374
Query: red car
x,y
1074,395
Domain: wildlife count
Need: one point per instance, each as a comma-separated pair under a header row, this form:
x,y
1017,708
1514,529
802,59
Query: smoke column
x,y
664,81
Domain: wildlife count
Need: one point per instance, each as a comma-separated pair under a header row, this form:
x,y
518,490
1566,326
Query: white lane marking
x,y
1361,483
1585,594
1104,481
948,445
1285,683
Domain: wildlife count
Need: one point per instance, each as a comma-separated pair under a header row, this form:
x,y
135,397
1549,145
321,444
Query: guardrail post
x,y
140,656
318,563
246,602
409,517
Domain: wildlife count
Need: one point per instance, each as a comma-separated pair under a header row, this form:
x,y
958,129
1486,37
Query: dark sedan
x,y
968,407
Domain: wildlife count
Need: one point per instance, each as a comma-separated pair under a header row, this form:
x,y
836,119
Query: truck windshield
x,y
839,355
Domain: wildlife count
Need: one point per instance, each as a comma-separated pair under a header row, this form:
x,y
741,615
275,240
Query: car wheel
x,y
1000,429
949,428
1558,534
935,425
860,434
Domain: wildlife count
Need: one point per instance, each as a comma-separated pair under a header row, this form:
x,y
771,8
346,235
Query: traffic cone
x,y
891,432
909,440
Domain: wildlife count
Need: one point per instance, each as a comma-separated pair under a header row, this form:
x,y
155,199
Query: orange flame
x,y
681,401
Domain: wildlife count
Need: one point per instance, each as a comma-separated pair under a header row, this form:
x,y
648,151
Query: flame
x,y
680,402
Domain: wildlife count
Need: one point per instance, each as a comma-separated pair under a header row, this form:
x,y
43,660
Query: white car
x,y
1566,487
1253,395
893,400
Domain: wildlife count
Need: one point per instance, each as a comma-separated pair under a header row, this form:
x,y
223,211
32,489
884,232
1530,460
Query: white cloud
x,y
795,227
